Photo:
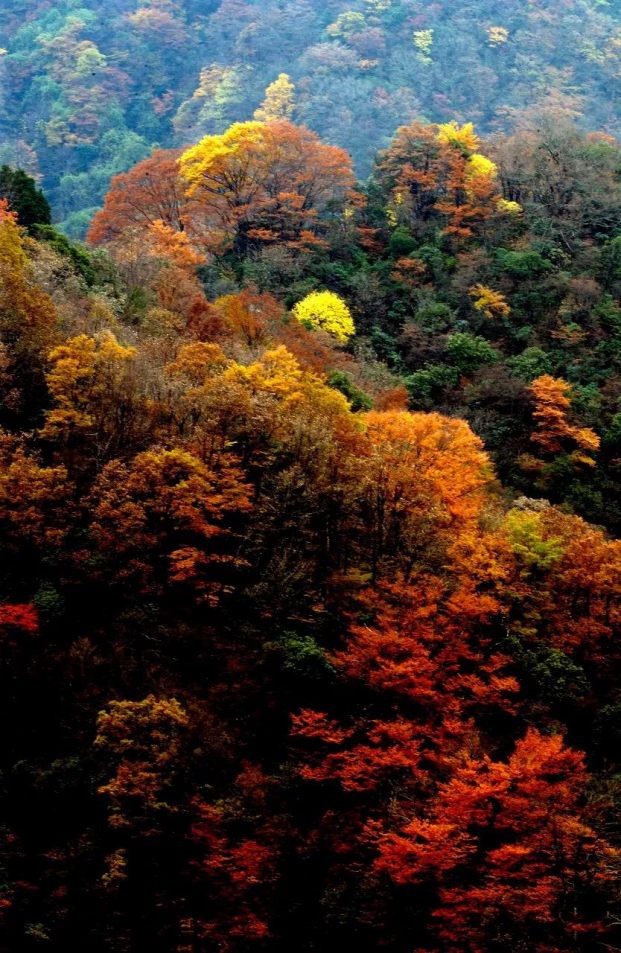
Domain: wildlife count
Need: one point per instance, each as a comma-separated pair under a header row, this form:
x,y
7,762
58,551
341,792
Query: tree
x,y
261,183
434,174
554,433
490,303
143,741
150,192
558,175
27,201
536,866
27,321
162,518
325,310
92,382
35,508
279,101
411,460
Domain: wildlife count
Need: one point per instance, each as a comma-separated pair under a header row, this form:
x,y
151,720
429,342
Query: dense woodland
x,y
90,87
310,477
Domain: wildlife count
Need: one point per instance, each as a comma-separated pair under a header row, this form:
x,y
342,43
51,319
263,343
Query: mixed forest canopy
x,y
90,88
310,477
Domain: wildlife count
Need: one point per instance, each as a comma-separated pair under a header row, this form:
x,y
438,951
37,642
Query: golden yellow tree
x,y
325,310
491,303
279,101
554,433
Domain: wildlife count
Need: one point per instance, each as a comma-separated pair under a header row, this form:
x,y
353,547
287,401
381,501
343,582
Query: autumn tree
x,y
279,101
150,192
325,310
94,389
554,433
28,320
536,866
265,182
437,174
162,518
143,741
35,507
413,458
560,176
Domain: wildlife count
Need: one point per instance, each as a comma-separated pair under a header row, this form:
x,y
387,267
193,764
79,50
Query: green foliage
x,y
533,362
358,399
384,346
523,264
434,316
402,242
25,199
424,386
301,655
552,676
469,352
534,552
79,257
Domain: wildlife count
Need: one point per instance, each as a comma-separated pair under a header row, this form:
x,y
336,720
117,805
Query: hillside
x,y
285,665
310,477
89,88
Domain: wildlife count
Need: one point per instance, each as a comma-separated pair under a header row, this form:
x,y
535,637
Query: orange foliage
x,y
260,183
412,459
150,192
161,518
433,172
554,433
518,829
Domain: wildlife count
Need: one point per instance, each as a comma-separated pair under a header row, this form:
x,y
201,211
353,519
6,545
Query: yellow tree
x,y
490,303
35,510
93,383
27,317
325,310
279,101
162,518
143,741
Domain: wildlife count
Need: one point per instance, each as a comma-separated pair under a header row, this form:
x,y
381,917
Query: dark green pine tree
x,y
26,200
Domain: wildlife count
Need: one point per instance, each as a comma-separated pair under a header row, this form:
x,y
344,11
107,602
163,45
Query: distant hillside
x,y
89,88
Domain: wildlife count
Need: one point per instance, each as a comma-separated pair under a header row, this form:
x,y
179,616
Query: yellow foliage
x,y
86,376
347,24
464,137
12,253
423,41
325,310
508,207
207,159
34,500
497,35
480,166
490,303
279,101
197,362
144,740
278,373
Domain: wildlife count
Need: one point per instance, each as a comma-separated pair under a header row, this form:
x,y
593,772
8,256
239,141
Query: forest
x,y
90,87
310,477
